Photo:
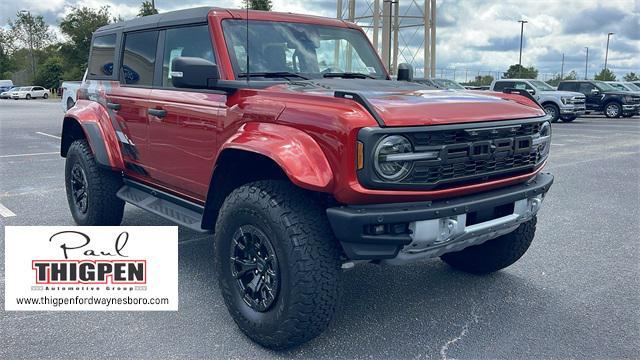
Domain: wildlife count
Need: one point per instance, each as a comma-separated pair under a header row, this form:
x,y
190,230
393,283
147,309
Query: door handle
x,y
157,112
113,106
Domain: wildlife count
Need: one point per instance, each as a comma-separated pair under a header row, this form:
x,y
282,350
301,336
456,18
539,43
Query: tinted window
x,y
501,85
102,55
192,41
585,88
522,85
139,58
569,86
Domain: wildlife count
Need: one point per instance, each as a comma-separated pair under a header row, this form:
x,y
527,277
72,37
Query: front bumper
x,y
631,109
573,110
452,230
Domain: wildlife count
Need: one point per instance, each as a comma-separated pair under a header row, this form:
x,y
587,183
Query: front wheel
x,y
91,190
495,254
278,263
612,110
45,96
553,111
28,97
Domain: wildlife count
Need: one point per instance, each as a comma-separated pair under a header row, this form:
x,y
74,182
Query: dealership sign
x,y
91,268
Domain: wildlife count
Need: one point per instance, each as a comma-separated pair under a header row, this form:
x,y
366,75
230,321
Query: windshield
x,y
619,86
305,50
448,84
603,86
541,85
632,86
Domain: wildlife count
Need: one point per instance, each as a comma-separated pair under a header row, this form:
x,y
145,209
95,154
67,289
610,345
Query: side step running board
x,y
168,206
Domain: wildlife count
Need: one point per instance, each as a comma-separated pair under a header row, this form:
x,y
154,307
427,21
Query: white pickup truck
x,y
69,90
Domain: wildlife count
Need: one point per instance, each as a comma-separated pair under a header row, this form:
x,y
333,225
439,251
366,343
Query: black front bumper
x,y
349,222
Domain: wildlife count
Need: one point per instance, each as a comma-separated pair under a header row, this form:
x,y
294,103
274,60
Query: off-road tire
x,y
308,258
612,114
495,254
553,110
103,206
568,118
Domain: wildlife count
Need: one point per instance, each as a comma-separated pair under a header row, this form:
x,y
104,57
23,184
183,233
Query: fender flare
x,y
296,152
95,122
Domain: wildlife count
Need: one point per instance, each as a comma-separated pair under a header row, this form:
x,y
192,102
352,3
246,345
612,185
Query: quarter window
x,y
192,41
139,58
102,55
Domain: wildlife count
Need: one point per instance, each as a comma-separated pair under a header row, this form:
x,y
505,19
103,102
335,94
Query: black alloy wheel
x,y
79,188
255,267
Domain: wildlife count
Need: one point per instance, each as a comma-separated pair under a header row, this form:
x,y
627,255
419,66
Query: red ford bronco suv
x,y
285,136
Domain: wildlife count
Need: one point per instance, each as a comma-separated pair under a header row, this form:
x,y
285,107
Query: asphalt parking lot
x,y
575,294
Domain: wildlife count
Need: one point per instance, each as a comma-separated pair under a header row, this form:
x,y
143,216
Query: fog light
x,y
378,229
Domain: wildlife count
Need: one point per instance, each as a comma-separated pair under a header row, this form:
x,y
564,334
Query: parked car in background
x,y
440,83
636,83
602,97
69,90
5,85
29,92
558,104
6,94
625,86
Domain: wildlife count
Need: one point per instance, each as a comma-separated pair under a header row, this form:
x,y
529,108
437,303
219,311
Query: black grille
x,y
447,137
466,153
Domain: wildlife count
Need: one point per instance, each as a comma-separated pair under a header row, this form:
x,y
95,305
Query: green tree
x,y
49,73
555,80
605,75
631,77
481,80
264,5
147,8
7,47
517,71
78,25
33,33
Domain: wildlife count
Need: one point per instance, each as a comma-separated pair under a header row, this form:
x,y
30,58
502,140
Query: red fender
x,y
297,153
98,129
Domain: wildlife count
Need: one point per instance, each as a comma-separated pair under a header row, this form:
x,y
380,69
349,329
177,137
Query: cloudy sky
x,y
472,35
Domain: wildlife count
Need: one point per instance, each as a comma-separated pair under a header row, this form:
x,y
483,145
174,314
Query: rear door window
x,y
501,85
191,41
139,58
103,52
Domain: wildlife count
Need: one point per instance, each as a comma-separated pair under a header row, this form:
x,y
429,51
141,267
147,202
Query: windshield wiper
x,y
348,75
273,74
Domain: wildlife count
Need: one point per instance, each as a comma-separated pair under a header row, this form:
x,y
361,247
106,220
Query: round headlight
x,y
386,166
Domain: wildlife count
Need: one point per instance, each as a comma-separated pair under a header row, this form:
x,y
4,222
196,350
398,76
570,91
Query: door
x,y
129,101
593,101
183,124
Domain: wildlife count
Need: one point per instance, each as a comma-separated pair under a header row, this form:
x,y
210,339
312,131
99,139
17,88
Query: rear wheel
x,y
45,96
612,110
495,254
91,190
568,118
277,262
552,110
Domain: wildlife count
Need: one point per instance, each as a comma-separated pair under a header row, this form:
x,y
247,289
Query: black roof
x,y
178,17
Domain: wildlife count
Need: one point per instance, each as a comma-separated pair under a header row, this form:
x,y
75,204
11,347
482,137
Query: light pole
x,y
586,63
606,54
562,67
522,22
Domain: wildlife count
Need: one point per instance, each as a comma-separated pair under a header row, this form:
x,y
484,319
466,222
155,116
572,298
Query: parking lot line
x,y
4,212
49,135
33,154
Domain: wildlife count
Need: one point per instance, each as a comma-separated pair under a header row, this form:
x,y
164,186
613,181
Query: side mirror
x,y
193,72
595,91
405,72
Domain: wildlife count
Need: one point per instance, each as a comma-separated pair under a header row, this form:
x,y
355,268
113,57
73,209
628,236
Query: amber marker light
x,y
360,155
